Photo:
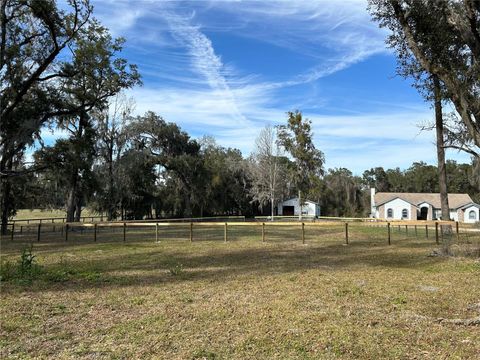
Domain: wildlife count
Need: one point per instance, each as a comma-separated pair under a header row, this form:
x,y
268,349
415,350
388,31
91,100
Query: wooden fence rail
x,y
65,228
53,220
84,219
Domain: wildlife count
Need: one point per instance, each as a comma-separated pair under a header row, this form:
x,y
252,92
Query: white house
x,y
422,206
291,207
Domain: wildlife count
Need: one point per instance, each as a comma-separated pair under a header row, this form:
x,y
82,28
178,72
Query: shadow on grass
x,y
142,263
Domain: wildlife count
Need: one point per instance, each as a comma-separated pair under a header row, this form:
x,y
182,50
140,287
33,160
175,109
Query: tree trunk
x,y
442,169
71,203
111,197
78,209
272,206
6,203
188,207
6,196
300,204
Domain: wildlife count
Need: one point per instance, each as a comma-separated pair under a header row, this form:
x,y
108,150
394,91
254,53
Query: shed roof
x,y
454,200
305,201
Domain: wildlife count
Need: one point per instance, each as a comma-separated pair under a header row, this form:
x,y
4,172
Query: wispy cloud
x,y
193,76
204,59
357,141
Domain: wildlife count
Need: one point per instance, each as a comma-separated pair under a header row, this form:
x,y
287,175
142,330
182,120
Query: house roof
x,y
470,205
454,200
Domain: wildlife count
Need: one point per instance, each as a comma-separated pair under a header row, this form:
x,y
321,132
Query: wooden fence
x,y
431,229
84,219
54,220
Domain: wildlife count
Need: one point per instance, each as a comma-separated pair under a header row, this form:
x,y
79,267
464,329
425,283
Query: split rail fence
x,y
233,228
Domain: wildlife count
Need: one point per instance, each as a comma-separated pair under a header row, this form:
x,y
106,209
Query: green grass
x,y
243,299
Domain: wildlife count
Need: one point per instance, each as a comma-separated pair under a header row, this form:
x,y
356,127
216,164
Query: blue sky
x,y
229,68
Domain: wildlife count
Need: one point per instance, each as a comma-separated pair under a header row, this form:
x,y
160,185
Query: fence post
x,y
13,231
389,235
66,232
303,233
436,232
38,231
263,232
156,232
346,233
225,236
456,228
191,231
406,230
426,230
21,229
124,231
95,232
416,234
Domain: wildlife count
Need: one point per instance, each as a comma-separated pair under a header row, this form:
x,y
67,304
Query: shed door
x,y
288,210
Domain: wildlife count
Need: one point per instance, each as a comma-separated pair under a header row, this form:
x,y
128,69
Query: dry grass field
x,y
243,299
54,213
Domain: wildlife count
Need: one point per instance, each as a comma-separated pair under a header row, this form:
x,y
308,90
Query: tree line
x,y
154,169
61,69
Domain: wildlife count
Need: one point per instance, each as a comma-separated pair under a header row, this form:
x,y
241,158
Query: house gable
x,y
398,209
470,213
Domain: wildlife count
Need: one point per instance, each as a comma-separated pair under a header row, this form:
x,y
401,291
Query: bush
x,y
27,263
25,270
176,269
8,271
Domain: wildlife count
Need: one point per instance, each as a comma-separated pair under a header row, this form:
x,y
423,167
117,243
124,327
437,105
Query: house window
x,y
472,215
404,213
390,213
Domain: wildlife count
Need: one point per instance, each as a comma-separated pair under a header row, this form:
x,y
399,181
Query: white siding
x,y
453,215
476,210
438,214
397,205
309,208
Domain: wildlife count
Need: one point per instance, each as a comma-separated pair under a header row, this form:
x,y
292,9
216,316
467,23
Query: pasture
x,y
47,213
210,299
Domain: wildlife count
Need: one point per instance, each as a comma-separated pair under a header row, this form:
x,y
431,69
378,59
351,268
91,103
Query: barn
x,y
291,207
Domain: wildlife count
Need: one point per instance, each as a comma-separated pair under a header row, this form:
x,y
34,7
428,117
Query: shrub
x,y
27,263
176,269
8,271
25,270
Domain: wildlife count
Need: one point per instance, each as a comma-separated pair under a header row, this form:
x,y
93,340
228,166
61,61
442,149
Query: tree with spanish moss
x,y
296,138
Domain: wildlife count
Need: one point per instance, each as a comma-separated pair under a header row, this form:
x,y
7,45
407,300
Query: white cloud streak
x,y
186,80
204,59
